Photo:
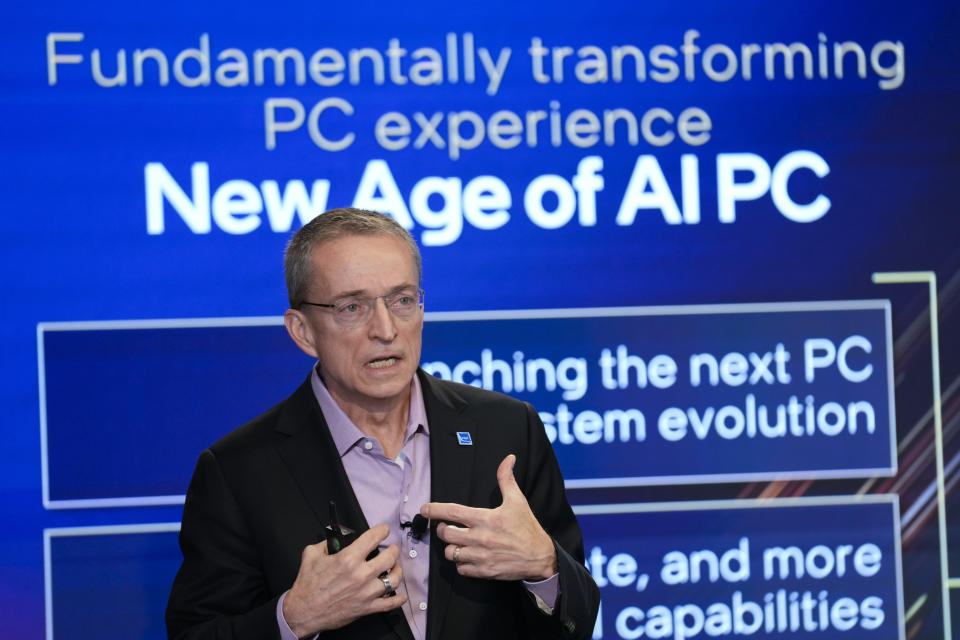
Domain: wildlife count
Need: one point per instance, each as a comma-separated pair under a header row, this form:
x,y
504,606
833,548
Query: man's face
x,y
373,363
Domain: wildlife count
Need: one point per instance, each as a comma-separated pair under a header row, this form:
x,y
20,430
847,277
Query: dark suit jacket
x,y
260,495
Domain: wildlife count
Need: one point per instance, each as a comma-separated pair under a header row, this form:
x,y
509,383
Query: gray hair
x,y
336,223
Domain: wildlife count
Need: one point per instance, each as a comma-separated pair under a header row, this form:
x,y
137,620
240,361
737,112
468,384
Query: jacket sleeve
x,y
575,611
220,590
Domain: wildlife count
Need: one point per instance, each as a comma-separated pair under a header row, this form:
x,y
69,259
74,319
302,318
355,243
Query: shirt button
x,y
405,498
368,445
423,606
413,553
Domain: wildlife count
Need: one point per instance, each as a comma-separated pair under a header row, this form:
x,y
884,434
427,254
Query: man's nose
x,y
382,323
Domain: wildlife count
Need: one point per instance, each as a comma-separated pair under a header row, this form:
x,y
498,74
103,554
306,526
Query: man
x,y
383,441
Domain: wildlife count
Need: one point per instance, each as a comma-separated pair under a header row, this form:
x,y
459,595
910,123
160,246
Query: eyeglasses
x,y
353,311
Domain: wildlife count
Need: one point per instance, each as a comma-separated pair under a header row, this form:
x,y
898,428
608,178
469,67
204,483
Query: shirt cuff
x,y
544,592
285,632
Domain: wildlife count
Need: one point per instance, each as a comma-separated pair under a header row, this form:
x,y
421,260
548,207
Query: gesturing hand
x,y
506,543
333,590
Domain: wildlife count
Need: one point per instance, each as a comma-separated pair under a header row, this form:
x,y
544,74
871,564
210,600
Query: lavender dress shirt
x,y
391,491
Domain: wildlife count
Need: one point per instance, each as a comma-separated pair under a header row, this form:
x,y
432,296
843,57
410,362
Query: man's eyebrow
x,y
349,294
363,292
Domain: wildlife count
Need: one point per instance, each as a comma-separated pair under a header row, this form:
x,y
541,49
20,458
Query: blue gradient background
x,y
74,244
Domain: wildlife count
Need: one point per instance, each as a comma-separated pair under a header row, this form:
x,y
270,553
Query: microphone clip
x,y
417,527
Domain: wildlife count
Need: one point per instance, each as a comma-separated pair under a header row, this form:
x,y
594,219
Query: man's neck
x,y
386,419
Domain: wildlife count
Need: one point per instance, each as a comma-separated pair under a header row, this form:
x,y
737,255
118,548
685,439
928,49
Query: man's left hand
x,y
506,543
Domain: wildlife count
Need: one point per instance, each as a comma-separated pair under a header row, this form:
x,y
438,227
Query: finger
x,y
454,535
375,586
467,555
385,560
395,576
472,570
386,603
368,540
452,512
508,483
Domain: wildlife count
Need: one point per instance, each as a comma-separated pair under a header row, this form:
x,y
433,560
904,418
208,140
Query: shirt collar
x,y
345,433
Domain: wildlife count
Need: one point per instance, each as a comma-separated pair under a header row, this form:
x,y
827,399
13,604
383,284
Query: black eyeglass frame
x,y
386,300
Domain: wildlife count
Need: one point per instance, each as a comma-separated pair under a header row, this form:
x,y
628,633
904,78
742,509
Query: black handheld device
x,y
339,536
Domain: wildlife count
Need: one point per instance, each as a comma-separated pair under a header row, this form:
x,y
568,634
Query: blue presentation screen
x,y
675,229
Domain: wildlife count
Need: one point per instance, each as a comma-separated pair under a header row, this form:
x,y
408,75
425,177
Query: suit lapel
x,y
313,461
451,471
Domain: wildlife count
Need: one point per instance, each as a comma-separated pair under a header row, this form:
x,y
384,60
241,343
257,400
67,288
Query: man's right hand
x,y
334,590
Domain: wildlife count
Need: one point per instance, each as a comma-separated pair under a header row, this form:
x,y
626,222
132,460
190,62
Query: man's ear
x,y
300,331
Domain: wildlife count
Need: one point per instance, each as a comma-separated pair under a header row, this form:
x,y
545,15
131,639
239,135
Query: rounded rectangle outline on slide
x,y
520,314
98,530
580,510
585,511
